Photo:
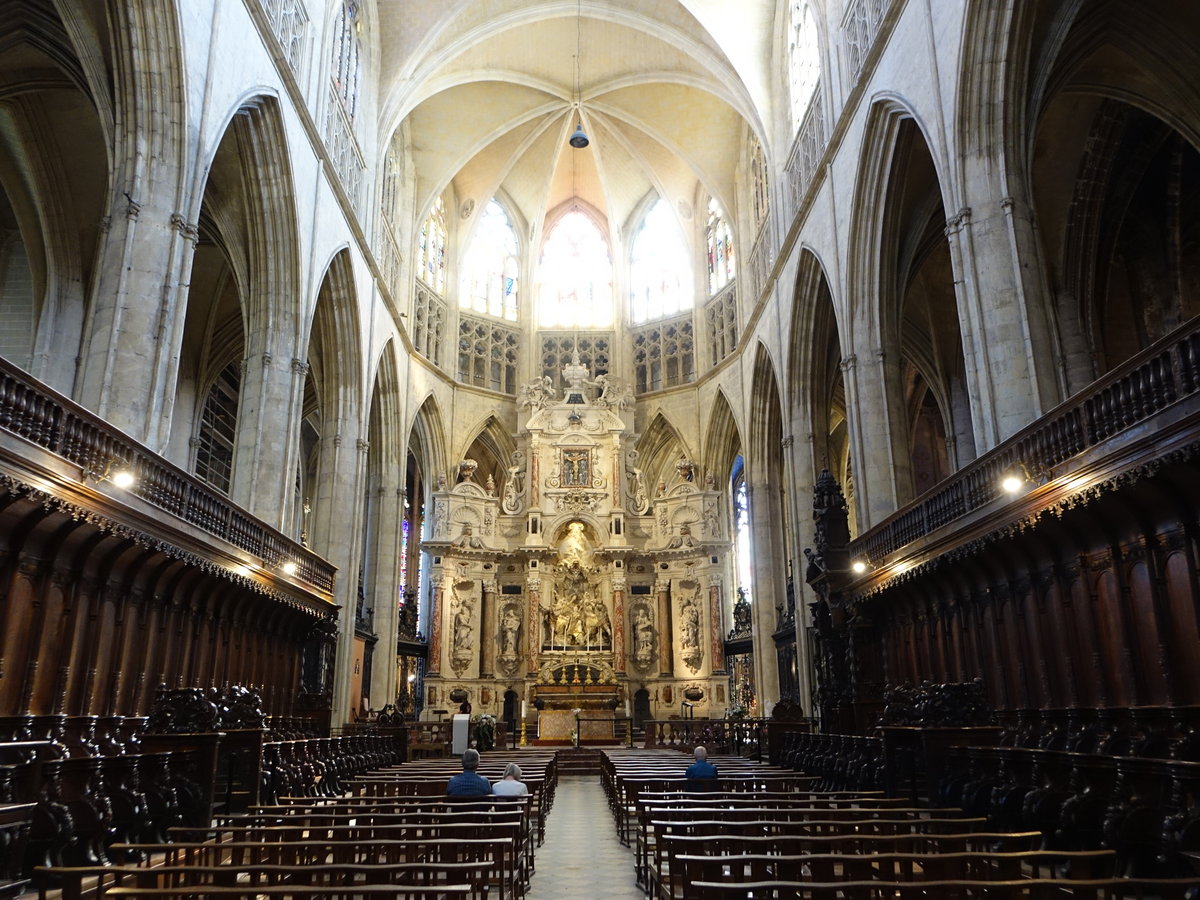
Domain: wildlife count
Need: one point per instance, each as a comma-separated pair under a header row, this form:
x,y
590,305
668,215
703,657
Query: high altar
x,y
569,584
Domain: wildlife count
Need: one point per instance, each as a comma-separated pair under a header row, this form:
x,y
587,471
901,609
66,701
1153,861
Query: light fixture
x,y
123,479
858,566
289,568
1011,484
578,139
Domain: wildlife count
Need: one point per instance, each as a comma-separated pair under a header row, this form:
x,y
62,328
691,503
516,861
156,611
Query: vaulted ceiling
x,y
666,90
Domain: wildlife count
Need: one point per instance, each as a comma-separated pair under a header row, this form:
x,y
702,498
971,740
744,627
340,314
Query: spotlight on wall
x,y
1011,484
289,568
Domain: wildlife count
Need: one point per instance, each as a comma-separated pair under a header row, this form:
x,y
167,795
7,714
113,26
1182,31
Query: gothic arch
x,y
427,441
659,446
491,445
334,352
723,443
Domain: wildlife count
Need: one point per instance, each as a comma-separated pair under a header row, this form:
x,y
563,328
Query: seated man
x,y
469,783
701,768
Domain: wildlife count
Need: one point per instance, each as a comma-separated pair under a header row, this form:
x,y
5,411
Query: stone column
x,y
882,466
384,575
716,623
267,438
618,621
666,631
488,629
434,664
533,584
766,520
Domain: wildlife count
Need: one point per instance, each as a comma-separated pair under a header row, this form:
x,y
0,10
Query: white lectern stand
x,y
460,731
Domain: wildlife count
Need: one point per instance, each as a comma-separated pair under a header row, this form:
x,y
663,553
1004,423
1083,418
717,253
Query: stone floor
x,y
582,858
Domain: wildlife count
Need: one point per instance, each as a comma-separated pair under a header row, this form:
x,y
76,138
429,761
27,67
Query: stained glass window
x,y
491,266
660,282
347,56
719,238
804,58
218,424
741,527
575,276
433,248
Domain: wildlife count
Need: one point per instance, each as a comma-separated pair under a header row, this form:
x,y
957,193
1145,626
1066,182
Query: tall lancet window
x,y
491,266
719,237
741,527
575,276
433,248
347,55
804,58
660,279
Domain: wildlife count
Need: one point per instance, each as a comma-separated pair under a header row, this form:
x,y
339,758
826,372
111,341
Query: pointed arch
x,y
723,443
427,440
334,342
491,446
659,447
766,419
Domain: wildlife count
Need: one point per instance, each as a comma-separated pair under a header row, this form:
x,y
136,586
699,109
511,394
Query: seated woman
x,y
511,784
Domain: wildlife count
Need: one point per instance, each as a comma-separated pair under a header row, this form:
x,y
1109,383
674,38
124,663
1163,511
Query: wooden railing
x,y
742,737
49,420
1146,385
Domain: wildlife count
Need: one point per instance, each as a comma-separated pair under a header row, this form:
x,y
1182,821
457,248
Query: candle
x,y
522,709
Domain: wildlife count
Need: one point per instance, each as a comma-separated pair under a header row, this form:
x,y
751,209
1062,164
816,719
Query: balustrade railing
x,y
801,165
289,24
343,150
741,737
860,27
49,420
1163,374
759,260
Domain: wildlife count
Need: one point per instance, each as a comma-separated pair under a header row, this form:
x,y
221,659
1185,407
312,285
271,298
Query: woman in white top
x,y
511,784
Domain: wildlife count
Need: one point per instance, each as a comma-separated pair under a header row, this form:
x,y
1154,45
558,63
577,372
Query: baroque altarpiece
x,y
571,586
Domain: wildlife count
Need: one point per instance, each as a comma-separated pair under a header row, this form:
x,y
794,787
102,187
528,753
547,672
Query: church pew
x,y
383,844
443,811
654,866
367,832
838,808
830,799
686,869
655,819
293,892
1025,889
435,852
435,787
475,873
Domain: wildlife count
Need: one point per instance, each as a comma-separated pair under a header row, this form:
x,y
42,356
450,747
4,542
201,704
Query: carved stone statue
x,y
510,624
637,485
462,629
643,637
538,394
612,393
682,540
467,539
514,484
689,626
712,524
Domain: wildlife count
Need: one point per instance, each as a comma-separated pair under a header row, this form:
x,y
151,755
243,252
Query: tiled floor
x,y
582,858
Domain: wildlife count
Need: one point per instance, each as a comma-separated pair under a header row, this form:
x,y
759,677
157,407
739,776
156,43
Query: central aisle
x,y
582,858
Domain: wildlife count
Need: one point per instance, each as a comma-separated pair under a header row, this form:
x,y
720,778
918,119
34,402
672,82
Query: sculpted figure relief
x,y
514,484
643,637
538,394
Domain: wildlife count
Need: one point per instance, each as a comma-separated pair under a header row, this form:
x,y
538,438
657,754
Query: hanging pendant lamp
x,y
578,138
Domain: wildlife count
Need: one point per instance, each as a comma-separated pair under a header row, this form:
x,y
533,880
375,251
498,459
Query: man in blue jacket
x,y
469,783
701,768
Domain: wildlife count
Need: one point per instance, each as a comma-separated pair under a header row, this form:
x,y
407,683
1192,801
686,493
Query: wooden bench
x,y
1024,889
